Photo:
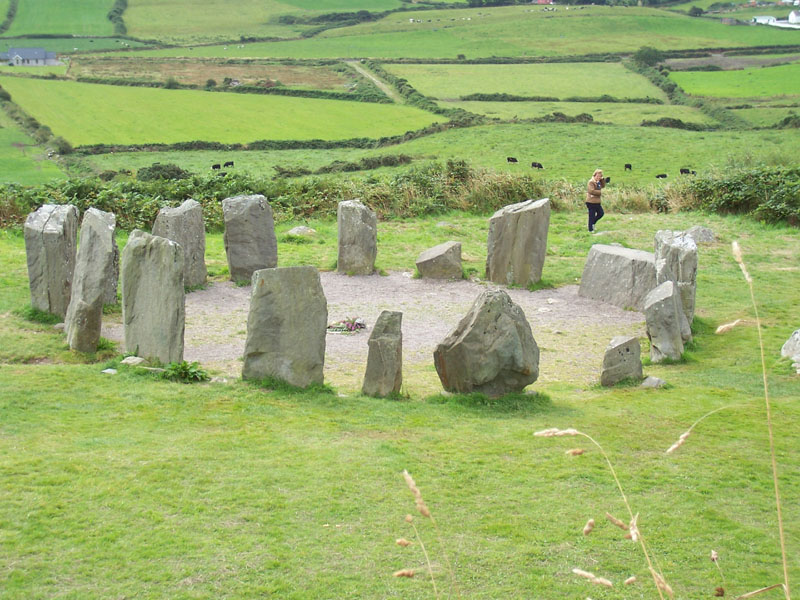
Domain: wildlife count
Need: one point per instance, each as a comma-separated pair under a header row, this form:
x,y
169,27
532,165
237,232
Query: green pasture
x,y
21,160
188,21
569,151
505,31
765,116
560,80
122,115
618,113
781,80
68,45
129,486
705,4
62,17
41,71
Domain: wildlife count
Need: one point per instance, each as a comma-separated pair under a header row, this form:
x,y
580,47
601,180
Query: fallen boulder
x,y
441,262
619,276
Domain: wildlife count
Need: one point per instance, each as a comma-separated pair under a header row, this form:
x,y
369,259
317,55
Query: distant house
x,y
794,17
764,20
29,57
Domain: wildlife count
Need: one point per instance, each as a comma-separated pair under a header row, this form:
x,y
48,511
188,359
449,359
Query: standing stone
x,y
384,374
680,253
791,348
491,350
663,317
185,226
51,235
250,242
95,259
619,276
153,310
286,326
622,360
517,242
701,235
441,262
358,238
112,269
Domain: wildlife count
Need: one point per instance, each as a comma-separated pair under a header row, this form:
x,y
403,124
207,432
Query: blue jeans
x,y
595,214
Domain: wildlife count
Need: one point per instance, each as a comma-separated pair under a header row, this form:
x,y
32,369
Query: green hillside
x,y
61,17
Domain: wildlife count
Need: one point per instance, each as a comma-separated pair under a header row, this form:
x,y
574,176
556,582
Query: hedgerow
x,y
10,14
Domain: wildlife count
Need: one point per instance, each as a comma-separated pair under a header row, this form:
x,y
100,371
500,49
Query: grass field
x,y
764,117
567,151
618,113
130,486
559,80
122,115
782,80
21,160
506,31
64,17
198,72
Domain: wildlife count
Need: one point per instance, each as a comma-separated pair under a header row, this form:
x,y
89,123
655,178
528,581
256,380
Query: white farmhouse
x,y
764,20
794,17
29,57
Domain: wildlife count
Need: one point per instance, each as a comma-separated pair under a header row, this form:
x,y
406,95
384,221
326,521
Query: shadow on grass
x,y
514,404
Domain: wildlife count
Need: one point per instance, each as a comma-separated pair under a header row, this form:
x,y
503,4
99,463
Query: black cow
x,y
216,167
228,164
536,165
222,174
511,159
685,171
661,176
628,166
693,172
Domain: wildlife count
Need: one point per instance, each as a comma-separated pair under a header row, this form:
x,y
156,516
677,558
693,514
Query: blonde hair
x,y
596,171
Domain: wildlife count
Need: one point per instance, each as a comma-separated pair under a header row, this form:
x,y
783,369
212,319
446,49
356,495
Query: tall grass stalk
x,y
737,255
658,579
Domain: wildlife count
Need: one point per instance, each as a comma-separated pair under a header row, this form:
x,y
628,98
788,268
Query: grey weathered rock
x,y
185,226
441,262
491,350
358,238
701,235
680,253
619,276
663,314
517,242
250,242
51,236
109,371
153,312
133,361
653,382
112,269
622,360
286,326
302,231
95,260
791,348
384,374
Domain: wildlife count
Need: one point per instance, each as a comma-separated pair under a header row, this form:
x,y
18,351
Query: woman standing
x,y
593,191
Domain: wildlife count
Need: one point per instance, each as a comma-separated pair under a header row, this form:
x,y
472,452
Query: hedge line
x,y
513,98
115,16
10,14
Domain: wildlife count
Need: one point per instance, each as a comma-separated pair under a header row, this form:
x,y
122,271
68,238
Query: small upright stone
x,y
96,256
384,374
51,236
517,242
153,310
185,226
441,262
791,348
622,360
663,317
680,253
701,235
619,276
250,242
653,382
358,238
286,326
491,350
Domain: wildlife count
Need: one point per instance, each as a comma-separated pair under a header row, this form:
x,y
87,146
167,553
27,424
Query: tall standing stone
x,y
112,269
153,310
51,236
679,251
491,350
250,242
619,276
95,258
664,321
517,242
358,238
286,326
622,360
185,226
384,374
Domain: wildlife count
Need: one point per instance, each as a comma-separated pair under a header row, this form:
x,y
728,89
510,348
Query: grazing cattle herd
x,y
628,167
218,166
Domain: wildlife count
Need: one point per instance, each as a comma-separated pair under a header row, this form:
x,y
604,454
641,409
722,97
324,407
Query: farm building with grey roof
x,y
29,57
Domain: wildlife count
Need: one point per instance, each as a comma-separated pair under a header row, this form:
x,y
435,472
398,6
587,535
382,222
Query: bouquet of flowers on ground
x,y
348,325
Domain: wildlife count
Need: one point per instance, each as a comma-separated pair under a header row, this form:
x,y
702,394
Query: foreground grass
x,y
130,486
104,114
